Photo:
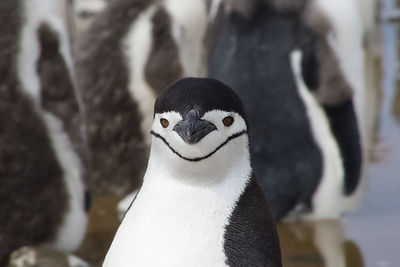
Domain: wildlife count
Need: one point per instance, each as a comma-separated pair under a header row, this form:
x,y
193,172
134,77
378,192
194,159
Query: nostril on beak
x,y
177,128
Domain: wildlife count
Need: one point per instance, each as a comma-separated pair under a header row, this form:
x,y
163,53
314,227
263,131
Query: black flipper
x,y
251,237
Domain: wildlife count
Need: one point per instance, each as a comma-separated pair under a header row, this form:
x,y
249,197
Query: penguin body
x,y
132,50
279,59
43,192
199,204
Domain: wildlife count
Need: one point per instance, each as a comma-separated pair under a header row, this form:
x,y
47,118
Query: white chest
x,y
175,224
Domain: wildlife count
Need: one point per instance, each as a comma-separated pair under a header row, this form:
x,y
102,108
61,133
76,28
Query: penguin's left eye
x,y
164,123
228,121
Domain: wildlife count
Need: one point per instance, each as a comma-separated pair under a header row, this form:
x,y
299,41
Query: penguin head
x,y
199,119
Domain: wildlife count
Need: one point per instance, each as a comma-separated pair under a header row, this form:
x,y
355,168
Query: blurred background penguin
x,y
43,160
289,61
131,51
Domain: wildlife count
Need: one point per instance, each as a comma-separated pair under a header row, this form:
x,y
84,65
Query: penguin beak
x,y
192,129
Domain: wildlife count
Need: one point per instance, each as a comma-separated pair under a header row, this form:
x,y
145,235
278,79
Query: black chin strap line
x,y
236,135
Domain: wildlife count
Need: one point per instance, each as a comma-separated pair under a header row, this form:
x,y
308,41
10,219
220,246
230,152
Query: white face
x,y
228,126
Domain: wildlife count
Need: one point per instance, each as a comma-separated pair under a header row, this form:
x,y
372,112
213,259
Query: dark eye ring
x,y
164,123
228,121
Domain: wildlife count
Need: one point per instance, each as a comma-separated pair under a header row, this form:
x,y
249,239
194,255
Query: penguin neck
x,y
231,160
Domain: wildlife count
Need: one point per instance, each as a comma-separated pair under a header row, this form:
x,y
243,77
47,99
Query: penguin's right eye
x,y
228,121
164,123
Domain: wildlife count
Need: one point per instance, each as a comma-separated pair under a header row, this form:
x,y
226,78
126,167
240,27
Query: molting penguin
x,y
282,59
42,191
133,49
199,204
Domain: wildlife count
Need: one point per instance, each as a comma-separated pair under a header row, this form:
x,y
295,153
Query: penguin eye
x,y
164,123
228,121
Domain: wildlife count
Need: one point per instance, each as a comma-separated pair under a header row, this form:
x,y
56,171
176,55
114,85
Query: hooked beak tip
x,y
192,130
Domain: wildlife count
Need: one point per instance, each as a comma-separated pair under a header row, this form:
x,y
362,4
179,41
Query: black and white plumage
x,y
199,204
42,187
132,50
288,62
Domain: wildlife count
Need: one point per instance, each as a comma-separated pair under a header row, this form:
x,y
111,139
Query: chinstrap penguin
x,y
199,204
